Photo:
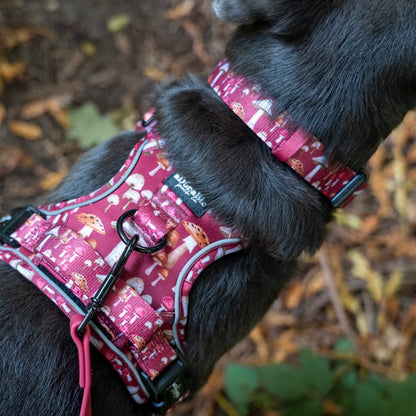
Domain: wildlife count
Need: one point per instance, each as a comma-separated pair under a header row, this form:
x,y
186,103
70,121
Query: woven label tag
x,y
192,198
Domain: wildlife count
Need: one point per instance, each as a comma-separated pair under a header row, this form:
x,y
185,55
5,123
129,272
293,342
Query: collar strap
x,y
289,143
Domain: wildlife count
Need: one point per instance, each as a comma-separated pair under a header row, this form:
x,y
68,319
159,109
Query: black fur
x,y
344,69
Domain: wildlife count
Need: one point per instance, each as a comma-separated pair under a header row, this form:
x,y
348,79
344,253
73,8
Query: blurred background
x,y
342,334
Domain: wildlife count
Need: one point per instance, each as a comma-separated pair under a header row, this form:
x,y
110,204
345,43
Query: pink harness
x,y
76,250
67,250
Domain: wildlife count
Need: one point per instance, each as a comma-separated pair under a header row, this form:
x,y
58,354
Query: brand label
x,y
192,198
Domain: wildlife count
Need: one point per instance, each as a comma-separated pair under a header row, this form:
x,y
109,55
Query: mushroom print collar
x,y
120,263
289,143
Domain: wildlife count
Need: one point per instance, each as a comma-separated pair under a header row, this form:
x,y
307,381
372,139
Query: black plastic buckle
x,y
13,221
146,123
168,387
348,190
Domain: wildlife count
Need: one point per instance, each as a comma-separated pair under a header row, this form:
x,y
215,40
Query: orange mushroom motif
x,y
91,223
162,275
162,163
139,342
296,165
197,237
238,109
80,281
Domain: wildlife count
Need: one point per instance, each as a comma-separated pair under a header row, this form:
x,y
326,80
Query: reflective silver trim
x,y
184,272
106,193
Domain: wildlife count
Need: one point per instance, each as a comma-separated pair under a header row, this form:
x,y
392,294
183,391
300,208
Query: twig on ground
x,y
335,298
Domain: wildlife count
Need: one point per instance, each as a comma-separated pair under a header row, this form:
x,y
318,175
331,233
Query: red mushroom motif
x,y
197,237
91,223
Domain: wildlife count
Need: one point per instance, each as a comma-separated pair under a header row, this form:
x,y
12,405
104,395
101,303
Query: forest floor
x,y
57,56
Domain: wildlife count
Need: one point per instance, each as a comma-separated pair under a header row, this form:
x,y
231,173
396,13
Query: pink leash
x,y
85,375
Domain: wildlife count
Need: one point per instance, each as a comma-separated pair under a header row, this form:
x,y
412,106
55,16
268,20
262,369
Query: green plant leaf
x,y
316,370
345,345
349,380
283,382
402,398
308,408
240,385
368,401
88,127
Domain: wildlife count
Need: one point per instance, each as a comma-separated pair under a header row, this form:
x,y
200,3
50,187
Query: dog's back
x,y
342,69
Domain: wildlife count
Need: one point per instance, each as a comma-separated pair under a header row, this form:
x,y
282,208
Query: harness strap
x,y
85,374
129,318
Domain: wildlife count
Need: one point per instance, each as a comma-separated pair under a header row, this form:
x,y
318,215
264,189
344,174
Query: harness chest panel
x,y
69,249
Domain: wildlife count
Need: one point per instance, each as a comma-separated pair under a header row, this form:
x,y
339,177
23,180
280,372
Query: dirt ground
x,y
56,55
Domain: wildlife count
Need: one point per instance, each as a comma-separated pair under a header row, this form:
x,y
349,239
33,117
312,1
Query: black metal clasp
x,y
10,223
348,190
141,249
168,387
97,301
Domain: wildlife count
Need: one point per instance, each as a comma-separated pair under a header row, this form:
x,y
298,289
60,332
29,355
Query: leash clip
x,y
10,223
97,301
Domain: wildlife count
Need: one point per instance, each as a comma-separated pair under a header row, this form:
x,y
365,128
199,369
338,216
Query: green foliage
x,y
304,389
88,127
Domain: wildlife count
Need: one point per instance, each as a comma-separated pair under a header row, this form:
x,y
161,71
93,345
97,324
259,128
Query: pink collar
x,y
292,145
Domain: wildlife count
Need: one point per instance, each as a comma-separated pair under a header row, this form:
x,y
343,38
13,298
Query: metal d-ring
x,y
138,247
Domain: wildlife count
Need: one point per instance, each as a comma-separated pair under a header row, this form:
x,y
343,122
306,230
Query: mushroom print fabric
x,y
78,243
289,143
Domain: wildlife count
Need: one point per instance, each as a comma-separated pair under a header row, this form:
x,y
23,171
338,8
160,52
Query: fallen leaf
x,y
88,48
10,71
52,105
258,338
28,131
350,220
10,157
400,244
393,284
315,285
155,74
36,108
377,181
369,225
179,11
285,345
118,22
2,113
15,37
361,269
89,127
274,319
294,295
52,180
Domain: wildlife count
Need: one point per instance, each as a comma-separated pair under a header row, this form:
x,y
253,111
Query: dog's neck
x,y
351,100
288,142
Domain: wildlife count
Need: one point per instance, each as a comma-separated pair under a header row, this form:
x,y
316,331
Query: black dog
x,y
343,69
